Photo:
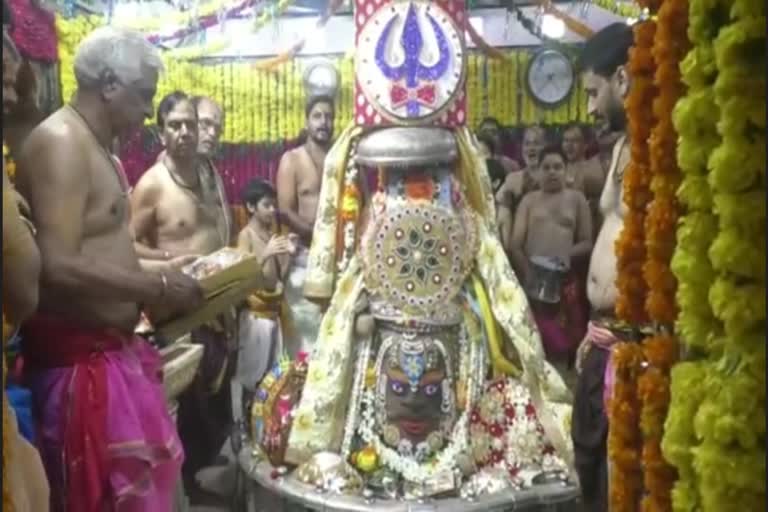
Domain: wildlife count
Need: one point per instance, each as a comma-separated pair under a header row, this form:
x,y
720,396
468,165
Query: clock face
x,y
550,77
410,61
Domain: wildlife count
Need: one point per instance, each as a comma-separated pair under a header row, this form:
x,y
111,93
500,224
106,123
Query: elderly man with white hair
x,y
107,440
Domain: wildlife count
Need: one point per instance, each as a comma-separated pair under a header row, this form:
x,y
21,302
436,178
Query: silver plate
x,y
406,146
554,497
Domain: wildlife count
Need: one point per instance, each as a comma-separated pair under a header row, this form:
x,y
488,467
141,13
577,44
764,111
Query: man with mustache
x,y
179,208
299,178
606,81
517,184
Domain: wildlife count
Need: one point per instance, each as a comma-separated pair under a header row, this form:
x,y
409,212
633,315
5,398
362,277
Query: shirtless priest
x,y
606,82
106,438
299,177
179,206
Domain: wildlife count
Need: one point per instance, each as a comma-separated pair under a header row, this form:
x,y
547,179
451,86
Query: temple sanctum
x,y
384,255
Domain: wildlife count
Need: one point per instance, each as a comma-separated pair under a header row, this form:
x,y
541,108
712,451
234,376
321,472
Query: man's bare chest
x,y
553,213
188,209
107,206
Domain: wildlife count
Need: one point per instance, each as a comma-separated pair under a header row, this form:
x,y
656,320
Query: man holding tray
x,y
179,206
106,437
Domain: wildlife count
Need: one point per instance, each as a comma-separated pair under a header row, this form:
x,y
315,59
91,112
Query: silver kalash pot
x,y
545,279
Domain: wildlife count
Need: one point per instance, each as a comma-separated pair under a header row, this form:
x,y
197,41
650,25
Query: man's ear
x,y
109,84
621,81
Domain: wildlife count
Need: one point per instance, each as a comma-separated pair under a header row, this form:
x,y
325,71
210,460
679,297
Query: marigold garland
x,y
274,85
654,389
624,442
731,419
630,246
715,430
670,46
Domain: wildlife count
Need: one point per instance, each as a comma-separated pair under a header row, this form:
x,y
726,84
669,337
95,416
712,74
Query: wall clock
x,y
410,61
550,77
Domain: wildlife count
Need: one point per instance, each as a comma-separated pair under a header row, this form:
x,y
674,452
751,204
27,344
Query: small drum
x,y
545,279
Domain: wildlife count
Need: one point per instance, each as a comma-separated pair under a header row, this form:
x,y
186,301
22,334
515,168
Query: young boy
x,y
554,222
260,324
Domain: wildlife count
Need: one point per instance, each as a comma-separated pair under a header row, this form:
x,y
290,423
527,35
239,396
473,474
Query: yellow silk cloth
x,y
272,306
320,416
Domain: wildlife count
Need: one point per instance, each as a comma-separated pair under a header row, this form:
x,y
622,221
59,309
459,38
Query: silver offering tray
x,y
294,495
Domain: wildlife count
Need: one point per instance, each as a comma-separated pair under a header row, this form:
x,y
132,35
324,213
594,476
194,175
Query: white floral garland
x,y
407,467
357,390
447,459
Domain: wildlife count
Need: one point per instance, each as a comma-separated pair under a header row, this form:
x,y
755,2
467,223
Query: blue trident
x,y
415,93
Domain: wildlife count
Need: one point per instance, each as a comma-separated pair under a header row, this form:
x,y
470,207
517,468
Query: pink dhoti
x,y
107,439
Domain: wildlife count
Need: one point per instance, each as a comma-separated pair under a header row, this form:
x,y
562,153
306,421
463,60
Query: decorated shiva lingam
x,y
427,383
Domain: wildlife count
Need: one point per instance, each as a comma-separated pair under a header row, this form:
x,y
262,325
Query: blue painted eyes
x,y
397,387
400,388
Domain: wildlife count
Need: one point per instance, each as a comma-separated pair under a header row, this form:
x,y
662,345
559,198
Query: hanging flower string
x,y
669,49
624,443
730,422
695,119
250,89
715,432
653,390
630,246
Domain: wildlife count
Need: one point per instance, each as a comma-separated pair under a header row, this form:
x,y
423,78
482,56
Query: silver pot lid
x,y
406,146
321,78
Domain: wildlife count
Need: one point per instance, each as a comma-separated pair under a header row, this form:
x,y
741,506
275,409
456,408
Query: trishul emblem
x,y
414,82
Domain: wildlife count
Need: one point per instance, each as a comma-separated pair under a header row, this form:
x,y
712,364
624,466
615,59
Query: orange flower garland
x,y
624,442
654,392
670,47
630,247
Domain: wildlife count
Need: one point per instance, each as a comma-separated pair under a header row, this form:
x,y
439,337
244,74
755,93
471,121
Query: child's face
x,y
552,173
264,211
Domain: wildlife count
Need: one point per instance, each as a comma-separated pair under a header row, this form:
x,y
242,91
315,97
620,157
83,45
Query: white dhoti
x,y
260,345
305,315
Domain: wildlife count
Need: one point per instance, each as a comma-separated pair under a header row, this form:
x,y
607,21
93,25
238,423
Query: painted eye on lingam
x,y
414,410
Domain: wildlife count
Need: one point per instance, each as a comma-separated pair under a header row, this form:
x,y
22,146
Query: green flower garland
x,y
715,430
